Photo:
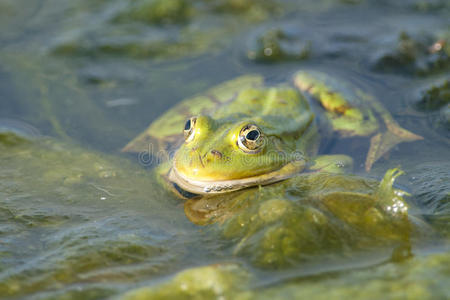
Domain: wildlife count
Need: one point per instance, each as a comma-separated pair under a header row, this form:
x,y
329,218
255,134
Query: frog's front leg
x,y
337,164
352,112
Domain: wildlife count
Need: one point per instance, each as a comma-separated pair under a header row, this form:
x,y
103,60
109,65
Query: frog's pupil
x,y
187,126
252,135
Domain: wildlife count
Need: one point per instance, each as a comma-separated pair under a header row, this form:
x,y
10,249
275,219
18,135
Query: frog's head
x,y
225,155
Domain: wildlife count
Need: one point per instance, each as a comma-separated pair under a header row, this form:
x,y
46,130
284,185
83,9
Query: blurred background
x,y
100,71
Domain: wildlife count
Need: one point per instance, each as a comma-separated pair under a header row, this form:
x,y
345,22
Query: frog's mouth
x,y
200,187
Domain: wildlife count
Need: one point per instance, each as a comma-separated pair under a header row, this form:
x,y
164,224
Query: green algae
x,y
209,282
61,202
413,279
275,45
435,97
157,12
434,100
309,217
162,29
418,54
86,208
11,139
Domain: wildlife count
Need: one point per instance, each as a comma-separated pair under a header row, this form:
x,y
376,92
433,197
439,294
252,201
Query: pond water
x,y
81,220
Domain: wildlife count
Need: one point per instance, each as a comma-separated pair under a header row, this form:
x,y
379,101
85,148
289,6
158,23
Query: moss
x,y
431,5
62,202
413,279
161,29
209,282
275,45
435,97
333,215
157,11
9,139
419,55
251,10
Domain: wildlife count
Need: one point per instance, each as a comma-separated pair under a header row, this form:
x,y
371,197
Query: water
x,y
78,219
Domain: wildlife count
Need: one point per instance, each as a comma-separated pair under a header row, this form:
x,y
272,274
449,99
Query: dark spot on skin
x,y
216,153
201,161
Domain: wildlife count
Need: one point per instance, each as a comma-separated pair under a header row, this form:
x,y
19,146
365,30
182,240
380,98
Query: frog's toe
x,y
382,143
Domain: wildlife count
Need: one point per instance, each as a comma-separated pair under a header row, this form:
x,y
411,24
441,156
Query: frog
x,y
248,133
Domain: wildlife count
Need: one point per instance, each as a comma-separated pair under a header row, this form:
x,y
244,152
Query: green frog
x,y
244,133
244,155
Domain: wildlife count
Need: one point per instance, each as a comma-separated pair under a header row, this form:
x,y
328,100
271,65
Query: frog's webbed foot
x,y
383,142
352,112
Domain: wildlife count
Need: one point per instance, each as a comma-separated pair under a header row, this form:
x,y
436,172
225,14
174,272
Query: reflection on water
x,y
78,219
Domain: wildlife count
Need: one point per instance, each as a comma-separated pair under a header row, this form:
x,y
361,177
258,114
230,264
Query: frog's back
x,y
165,134
279,110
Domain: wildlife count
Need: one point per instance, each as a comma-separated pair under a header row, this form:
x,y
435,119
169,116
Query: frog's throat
x,y
225,186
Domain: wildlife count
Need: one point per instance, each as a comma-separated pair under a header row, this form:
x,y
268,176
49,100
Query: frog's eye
x,y
250,139
189,129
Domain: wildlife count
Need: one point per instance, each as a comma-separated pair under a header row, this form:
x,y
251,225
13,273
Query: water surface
x,y
79,79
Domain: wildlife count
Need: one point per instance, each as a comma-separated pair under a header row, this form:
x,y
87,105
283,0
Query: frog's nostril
x,y
216,154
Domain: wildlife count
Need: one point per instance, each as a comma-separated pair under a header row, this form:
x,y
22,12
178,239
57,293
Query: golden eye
x,y
250,139
189,129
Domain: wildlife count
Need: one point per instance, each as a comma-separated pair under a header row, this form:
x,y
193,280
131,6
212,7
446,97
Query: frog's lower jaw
x,y
225,186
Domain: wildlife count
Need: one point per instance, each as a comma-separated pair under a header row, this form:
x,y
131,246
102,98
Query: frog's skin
x,y
243,133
